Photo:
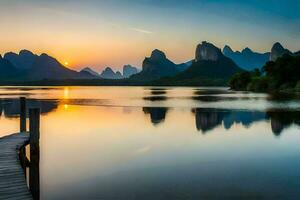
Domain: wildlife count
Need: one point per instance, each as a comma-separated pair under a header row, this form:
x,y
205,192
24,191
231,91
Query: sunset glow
x,y
149,99
115,33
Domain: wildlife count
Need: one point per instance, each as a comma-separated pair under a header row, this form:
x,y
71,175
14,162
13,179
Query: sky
x,y
112,33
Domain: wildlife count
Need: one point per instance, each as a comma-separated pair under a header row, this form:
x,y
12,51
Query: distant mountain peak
x,y
227,49
247,58
129,70
24,60
90,71
118,73
108,69
278,45
247,50
207,51
277,51
158,55
108,73
44,55
156,66
25,52
87,69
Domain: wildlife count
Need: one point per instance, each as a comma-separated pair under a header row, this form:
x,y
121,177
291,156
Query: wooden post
x,y
34,170
22,158
22,114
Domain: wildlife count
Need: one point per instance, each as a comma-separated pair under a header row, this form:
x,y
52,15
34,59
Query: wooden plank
x,y
13,184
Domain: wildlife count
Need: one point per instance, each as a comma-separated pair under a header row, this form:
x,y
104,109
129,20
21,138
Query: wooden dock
x,y
13,160
13,184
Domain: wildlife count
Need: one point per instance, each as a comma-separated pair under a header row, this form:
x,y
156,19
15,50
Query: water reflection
x,y
11,109
148,142
282,119
155,98
157,115
220,95
156,94
208,119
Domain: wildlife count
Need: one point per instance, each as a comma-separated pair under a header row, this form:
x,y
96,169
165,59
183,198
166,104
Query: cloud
x,y
141,30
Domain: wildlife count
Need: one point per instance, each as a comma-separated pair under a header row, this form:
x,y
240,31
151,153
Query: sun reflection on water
x,y
66,93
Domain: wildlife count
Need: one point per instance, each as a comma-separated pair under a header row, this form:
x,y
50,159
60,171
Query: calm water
x,y
162,143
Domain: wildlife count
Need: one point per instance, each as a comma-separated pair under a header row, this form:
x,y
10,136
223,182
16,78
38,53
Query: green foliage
x,y
282,75
258,84
285,71
297,88
240,81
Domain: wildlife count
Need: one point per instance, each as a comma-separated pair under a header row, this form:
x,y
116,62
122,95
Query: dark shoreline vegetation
x,y
120,82
283,75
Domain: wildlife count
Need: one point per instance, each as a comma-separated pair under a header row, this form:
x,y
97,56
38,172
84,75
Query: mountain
x,y
183,66
47,67
189,63
32,67
24,60
210,67
207,51
88,70
7,69
129,70
277,51
156,66
108,73
247,59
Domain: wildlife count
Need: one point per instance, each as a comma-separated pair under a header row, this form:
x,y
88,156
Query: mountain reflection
x,y
208,119
281,120
157,115
11,107
156,94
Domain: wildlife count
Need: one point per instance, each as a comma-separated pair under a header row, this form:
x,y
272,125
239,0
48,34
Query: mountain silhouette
x,y
157,66
247,59
210,67
24,60
108,73
277,51
89,71
7,69
31,67
129,70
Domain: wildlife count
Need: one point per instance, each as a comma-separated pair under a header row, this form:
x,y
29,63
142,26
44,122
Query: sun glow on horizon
x,y
66,93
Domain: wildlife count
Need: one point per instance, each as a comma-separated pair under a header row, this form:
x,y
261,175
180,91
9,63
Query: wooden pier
x,y
13,161
13,184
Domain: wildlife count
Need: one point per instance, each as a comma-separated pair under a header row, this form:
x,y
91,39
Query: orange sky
x,y
113,33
